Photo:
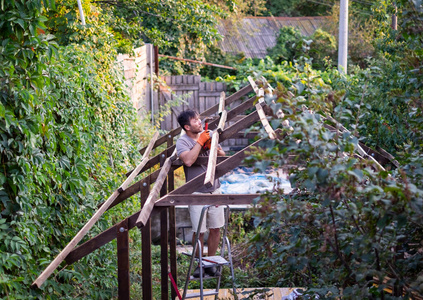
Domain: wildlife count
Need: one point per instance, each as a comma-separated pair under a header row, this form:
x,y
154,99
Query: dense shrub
x,y
68,135
291,45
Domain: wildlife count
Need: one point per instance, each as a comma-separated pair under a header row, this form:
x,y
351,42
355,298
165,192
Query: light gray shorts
x,y
215,217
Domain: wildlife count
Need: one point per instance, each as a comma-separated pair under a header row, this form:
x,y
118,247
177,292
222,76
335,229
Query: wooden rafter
x,y
79,236
265,122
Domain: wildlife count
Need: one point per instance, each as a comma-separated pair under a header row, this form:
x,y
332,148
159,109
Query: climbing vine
x,y
68,135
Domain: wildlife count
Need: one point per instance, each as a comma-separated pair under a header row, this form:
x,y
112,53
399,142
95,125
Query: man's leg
x,y
213,241
201,238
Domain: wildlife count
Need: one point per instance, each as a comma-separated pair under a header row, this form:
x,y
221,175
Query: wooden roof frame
x,y
163,197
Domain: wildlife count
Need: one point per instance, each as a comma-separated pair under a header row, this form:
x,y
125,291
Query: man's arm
x,y
220,151
189,157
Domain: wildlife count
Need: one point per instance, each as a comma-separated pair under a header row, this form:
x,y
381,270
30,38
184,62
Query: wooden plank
x,y
221,102
144,161
146,273
79,236
210,199
164,261
102,239
253,84
209,94
209,178
172,227
123,260
222,121
265,122
149,203
184,87
164,241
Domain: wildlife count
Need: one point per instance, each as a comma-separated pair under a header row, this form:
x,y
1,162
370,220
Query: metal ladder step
x,y
205,293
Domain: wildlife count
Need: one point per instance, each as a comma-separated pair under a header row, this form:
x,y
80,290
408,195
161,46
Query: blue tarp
x,y
243,180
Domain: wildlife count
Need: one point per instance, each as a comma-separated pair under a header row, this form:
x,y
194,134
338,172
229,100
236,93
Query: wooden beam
x,y
146,272
141,165
223,117
209,179
79,236
253,84
360,150
197,62
102,239
211,199
149,203
221,102
265,122
240,125
123,260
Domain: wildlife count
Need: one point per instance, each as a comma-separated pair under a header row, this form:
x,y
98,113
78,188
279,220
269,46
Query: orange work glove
x,y
207,145
203,138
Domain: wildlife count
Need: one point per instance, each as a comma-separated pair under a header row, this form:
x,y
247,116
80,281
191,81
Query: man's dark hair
x,y
185,117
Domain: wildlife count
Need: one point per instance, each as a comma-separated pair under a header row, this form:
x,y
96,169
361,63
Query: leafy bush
x,y
291,45
286,47
68,134
349,229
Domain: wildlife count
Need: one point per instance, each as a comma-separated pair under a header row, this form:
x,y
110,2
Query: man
x,y
194,143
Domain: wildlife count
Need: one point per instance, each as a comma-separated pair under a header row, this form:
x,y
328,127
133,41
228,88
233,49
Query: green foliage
x,y
178,28
295,8
285,48
67,137
346,226
291,45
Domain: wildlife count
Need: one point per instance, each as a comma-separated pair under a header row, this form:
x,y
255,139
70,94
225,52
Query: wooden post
x,y
123,260
164,242
172,226
147,282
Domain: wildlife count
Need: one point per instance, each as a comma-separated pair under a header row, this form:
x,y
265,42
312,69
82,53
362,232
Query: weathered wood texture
x,y
123,260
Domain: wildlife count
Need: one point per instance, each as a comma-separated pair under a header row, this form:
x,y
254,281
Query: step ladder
x,y
209,261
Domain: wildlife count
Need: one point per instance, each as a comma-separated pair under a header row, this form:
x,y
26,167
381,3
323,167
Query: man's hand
x,y
207,145
203,138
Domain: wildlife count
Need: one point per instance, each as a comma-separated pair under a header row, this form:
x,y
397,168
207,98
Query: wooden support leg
x,y
172,241
147,283
164,261
172,228
123,260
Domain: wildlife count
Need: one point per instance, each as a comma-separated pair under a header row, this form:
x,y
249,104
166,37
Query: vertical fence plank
x,y
123,260
147,283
